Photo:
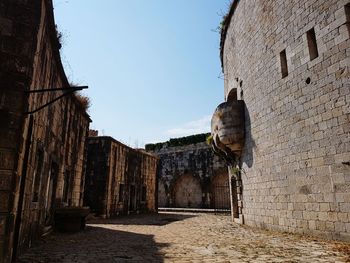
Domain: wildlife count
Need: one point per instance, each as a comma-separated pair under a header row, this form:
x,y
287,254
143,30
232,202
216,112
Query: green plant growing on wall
x,y
183,141
209,140
236,171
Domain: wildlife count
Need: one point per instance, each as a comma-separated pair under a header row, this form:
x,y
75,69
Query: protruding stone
x,y
227,126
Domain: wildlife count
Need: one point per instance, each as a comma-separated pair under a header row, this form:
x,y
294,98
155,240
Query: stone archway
x,y
220,191
162,196
187,192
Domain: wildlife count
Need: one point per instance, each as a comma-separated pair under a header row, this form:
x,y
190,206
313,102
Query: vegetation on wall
x,y
224,24
83,100
59,36
209,139
193,139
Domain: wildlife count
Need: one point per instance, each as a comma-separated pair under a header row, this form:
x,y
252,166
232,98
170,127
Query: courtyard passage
x,y
181,237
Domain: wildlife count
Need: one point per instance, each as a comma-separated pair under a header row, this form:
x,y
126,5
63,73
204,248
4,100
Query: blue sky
x,y
152,66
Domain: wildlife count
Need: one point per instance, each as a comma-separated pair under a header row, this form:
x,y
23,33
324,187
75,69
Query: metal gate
x,y
221,198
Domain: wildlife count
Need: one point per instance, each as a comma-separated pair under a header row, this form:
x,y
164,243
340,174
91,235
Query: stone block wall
x,y
119,179
43,152
18,22
186,176
149,171
289,62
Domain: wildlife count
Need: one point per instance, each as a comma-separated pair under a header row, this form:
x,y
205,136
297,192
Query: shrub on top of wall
x,y
192,139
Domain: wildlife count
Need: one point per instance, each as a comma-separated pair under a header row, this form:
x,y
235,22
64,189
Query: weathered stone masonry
x,y
119,179
289,62
41,154
192,176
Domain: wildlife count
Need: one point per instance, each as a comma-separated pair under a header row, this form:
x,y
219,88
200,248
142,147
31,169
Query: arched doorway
x,y
188,192
220,190
162,200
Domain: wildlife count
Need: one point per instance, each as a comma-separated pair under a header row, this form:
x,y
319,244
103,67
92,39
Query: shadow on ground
x,y
159,219
95,244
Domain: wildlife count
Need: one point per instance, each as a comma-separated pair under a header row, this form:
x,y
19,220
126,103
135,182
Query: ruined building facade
x,y
286,70
192,176
41,152
119,179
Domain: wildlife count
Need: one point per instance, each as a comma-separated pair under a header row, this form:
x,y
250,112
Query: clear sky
x,y
152,66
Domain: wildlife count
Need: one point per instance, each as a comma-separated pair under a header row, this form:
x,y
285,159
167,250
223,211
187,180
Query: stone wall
x,y
119,179
42,154
17,26
186,177
289,62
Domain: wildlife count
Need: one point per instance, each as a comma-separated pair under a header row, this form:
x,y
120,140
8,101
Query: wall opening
x,y
220,192
132,198
162,195
37,175
121,192
242,98
235,210
232,95
66,186
347,14
144,194
312,43
284,65
51,194
188,192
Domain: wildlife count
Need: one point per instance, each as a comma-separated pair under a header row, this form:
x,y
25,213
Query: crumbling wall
x,y
185,175
296,176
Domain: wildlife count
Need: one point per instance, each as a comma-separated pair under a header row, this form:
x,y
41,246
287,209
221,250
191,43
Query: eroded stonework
x,y
192,176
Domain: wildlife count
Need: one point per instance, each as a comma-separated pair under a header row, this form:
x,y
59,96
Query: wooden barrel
x,y
227,125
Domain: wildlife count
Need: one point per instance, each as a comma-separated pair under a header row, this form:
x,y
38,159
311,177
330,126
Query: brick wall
x,y
297,99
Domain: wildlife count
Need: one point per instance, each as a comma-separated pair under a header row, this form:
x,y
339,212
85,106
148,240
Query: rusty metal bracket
x,y
69,90
57,89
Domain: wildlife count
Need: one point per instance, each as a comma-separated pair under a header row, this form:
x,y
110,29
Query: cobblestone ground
x,y
181,237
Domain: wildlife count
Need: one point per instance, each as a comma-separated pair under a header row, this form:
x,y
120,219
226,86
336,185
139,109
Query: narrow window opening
x,y
121,192
312,43
37,175
144,194
284,65
66,186
232,96
70,187
347,14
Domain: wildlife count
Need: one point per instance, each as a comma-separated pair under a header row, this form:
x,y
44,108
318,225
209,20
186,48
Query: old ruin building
x,y
119,179
41,149
286,120
191,175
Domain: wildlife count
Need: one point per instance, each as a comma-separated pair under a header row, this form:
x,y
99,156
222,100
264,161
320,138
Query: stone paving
x,y
181,237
